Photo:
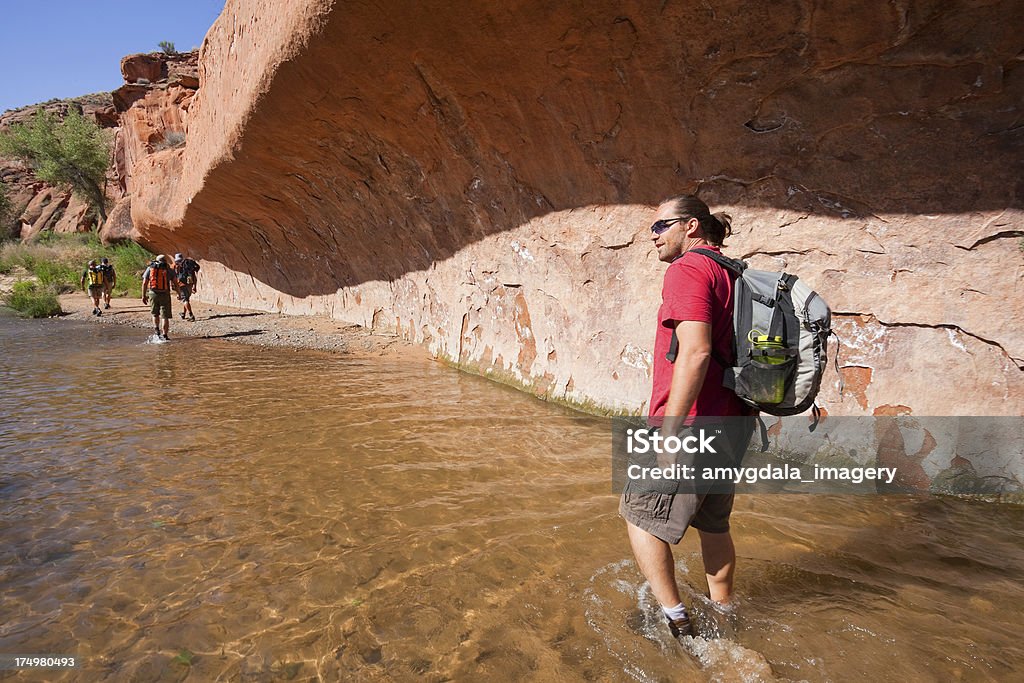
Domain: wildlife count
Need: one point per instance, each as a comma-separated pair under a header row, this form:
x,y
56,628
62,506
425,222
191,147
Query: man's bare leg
x,y
654,556
719,555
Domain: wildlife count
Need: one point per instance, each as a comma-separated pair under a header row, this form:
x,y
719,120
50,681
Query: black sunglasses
x,y
662,226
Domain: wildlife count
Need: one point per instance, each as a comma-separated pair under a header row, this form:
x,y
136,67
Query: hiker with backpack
x,y
157,281
696,309
109,280
187,271
95,275
731,341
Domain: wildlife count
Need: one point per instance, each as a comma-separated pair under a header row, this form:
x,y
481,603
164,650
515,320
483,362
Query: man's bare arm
x,y
688,372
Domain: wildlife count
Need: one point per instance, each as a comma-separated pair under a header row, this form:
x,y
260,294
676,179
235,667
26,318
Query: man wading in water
x,y
697,301
158,280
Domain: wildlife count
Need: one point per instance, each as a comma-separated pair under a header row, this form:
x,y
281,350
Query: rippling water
x,y
201,510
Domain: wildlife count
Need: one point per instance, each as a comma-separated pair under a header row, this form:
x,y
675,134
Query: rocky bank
x,y
258,328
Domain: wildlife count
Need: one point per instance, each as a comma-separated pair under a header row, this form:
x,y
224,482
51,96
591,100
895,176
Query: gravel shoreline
x,y
247,326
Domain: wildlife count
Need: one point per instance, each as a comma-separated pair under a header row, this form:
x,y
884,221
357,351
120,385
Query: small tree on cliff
x,y
167,47
73,153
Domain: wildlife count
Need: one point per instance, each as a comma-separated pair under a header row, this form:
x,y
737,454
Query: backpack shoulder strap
x,y
673,352
734,266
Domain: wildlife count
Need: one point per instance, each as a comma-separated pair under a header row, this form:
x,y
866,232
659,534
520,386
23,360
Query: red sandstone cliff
x,y
152,106
476,177
145,116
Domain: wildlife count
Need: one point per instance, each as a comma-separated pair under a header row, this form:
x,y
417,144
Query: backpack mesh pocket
x,y
765,378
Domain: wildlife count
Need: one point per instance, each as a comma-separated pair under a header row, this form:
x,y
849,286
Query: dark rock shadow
x,y
233,315
369,158
227,335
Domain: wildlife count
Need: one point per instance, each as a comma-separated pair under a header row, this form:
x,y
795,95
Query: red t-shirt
x,y
696,288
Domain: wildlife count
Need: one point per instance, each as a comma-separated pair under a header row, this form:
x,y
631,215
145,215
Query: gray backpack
x,y
781,339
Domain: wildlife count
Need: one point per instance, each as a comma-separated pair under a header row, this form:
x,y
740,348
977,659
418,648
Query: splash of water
x,y
615,596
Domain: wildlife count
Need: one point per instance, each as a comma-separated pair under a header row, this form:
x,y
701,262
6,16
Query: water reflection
x,y
201,509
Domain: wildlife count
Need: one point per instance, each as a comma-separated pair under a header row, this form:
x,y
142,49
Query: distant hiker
x,y
95,275
187,271
157,281
697,302
109,280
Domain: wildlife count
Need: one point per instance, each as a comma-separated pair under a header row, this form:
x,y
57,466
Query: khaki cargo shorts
x,y
668,515
160,304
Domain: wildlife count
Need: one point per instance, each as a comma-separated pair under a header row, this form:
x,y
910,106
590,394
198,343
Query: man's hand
x,y
145,299
665,459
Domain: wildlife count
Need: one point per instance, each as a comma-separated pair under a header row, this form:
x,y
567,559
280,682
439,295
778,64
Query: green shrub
x,y
130,260
62,277
5,203
8,261
59,259
16,255
171,140
32,300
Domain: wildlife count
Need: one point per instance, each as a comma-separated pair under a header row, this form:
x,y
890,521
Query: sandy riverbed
x,y
246,326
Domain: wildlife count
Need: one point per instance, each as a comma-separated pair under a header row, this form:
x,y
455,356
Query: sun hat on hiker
x,y
178,257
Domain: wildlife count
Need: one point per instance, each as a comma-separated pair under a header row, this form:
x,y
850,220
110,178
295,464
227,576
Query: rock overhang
x,y
435,168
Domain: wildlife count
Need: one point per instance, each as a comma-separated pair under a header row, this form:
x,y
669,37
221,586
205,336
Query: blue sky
x,y
65,48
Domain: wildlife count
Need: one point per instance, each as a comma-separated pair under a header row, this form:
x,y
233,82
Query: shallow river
x,y
204,510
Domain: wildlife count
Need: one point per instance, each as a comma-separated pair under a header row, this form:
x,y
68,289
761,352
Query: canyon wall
x,y
144,116
152,107
479,179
